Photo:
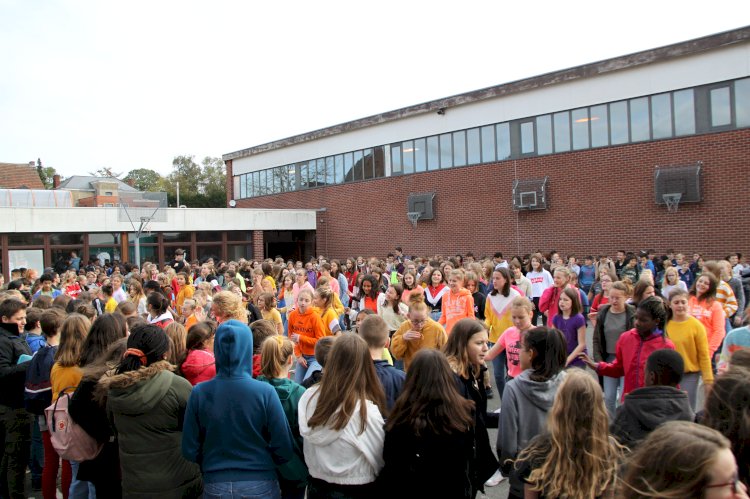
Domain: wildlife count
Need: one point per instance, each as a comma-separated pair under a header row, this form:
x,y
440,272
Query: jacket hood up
x,y
654,405
540,393
233,350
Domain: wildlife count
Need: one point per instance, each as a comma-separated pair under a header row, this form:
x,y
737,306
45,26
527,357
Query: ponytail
x,y
146,344
274,354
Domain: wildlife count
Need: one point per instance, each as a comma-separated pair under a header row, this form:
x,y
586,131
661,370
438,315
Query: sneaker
x,y
495,479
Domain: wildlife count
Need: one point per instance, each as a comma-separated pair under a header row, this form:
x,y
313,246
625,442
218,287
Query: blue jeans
x,y
301,373
499,370
251,489
435,315
610,390
78,488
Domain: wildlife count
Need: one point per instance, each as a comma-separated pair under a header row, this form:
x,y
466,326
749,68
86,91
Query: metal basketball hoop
x,y
413,217
672,201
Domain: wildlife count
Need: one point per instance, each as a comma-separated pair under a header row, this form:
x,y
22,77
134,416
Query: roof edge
x,y
649,56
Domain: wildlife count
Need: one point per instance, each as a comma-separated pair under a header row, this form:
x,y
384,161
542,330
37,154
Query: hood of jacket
x,y
196,362
233,350
540,393
137,392
653,405
283,387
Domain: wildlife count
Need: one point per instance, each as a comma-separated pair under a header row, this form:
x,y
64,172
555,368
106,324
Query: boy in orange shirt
x,y
305,329
458,303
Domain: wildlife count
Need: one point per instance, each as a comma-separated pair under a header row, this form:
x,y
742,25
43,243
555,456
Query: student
x,y
323,303
33,329
736,340
727,410
322,348
521,313
227,305
704,306
659,401
466,350
570,321
681,459
642,290
548,303
418,332
236,445
391,309
457,304
286,300
341,423
587,275
540,279
602,297
629,269
187,291
429,437
374,331
671,281
434,293
472,284
410,286
300,284
197,363
261,329
635,345
689,338
277,358
497,315
368,293
575,457
528,398
47,289
267,306
305,328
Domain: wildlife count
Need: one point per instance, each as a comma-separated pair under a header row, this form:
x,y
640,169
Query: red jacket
x,y
549,302
199,366
630,361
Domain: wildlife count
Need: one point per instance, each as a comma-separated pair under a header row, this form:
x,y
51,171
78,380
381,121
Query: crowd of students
x,y
364,377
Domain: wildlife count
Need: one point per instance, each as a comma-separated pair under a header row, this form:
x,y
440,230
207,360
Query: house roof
x,y
83,183
666,53
19,176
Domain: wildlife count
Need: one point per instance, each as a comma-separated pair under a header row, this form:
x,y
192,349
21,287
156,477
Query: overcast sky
x,y
88,84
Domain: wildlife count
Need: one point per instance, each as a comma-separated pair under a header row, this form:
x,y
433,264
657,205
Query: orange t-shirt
x,y
309,326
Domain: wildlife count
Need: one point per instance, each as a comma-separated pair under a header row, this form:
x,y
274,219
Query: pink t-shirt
x,y
511,341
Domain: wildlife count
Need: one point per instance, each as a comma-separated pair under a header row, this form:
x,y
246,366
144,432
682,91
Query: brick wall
x,y
600,200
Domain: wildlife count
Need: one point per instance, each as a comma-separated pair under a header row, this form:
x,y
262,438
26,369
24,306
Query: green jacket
x,y
147,408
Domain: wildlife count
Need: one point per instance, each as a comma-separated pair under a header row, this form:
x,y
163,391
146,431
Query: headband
x,y
134,352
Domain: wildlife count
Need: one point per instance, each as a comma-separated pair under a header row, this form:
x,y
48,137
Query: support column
x,y
258,245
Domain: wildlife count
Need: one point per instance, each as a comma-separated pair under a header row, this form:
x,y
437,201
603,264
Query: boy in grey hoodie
x,y
528,398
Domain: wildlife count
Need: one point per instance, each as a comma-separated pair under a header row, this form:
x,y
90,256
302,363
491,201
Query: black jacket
x,y
645,409
599,344
12,374
391,379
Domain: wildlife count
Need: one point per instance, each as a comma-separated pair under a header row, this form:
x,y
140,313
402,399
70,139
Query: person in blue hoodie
x,y
235,427
374,331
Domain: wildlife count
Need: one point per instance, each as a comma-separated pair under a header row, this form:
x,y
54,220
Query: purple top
x,y
569,328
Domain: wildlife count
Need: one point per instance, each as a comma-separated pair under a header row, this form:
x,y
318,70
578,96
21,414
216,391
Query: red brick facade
x,y
600,200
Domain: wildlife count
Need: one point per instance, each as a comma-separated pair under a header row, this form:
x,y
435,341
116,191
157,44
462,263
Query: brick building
x,y
20,176
582,160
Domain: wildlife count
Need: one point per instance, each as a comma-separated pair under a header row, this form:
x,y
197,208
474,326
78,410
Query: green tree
x,y
45,174
201,185
145,180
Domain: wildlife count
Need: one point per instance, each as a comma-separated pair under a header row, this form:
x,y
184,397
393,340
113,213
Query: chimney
x,y
55,181
32,163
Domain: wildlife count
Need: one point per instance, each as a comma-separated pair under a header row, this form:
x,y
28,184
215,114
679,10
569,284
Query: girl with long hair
x,y
457,303
369,291
410,286
391,308
197,363
573,326
497,317
428,448
680,460
341,422
305,329
465,351
704,306
689,338
551,296
575,458
528,398
227,305
177,335
540,279
286,299
106,330
157,307
642,290
434,293
671,282
323,301
267,306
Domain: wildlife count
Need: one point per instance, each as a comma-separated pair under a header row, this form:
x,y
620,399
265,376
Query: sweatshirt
x,y
346,456
392,380
690,341
433,336
199,366
497,313
456,306
235,427
310,328
525,404
711,314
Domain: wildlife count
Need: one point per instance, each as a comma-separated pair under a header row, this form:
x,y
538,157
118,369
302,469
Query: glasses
x,y
735,485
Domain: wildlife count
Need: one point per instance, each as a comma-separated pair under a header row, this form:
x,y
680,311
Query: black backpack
x,y
38,389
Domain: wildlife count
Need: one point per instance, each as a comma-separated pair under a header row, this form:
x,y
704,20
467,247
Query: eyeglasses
x,y
735,485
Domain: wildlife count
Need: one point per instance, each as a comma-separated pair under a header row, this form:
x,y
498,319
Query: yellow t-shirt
x,y
110,306
272,315
64,377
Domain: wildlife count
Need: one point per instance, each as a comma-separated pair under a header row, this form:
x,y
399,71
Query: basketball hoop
x,y
672,201
413,216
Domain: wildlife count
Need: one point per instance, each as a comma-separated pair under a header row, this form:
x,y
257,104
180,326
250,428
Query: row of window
x,y
709,108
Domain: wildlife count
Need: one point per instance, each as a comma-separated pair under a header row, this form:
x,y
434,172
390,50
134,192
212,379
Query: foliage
x,y
201,185
45,174
145,180
105,171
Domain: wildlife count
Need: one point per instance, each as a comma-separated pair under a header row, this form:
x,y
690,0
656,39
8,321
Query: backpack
x,y
37,388
70,441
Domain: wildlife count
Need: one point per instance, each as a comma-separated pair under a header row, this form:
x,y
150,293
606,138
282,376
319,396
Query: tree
x,y
105,171
145,180
201,186
46,174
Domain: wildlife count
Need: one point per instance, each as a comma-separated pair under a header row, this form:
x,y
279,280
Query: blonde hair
x,y
73,334
416,303
274,355
522,302
178,336
230,306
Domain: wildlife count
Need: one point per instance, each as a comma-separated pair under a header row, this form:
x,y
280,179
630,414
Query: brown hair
x,y
51,321
261,330
177,334
73,334
374,331
709,295
275,352
575,297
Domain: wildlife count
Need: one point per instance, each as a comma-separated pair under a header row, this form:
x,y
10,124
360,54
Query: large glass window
x,y
322,172
208,236
661,116
446,151
66,238
742,102
303,175
562,131
599,120
293,177
639,128
242,190
527,137
236,186
239,235
459,148
237,251
420,155
473,147
544,134
503,141
209,251
408,155
488,144
25,239
338,175
433,153
684,112
358,165
721,114
148,253
368,164
176,237
618,122
100,239
349,165
580,119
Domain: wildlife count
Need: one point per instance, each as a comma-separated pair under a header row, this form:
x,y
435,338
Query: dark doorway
x,y
289,244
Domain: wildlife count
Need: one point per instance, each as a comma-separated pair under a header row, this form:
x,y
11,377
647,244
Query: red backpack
x,y
70,441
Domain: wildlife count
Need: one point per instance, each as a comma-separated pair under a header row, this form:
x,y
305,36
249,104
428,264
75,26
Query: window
x,y
721,114
208,236
98,239
236,189
473,147
742,102
684,112
31,239
599,126
488,144
639,122
322,172
358,165
408,155
618,122
459,148
303,175
544,134
562,131
66,238
503,141
661,116
293,178
338,169
368,164
171,237
349,166
446,151
433,153
420,155
527,137
580,118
